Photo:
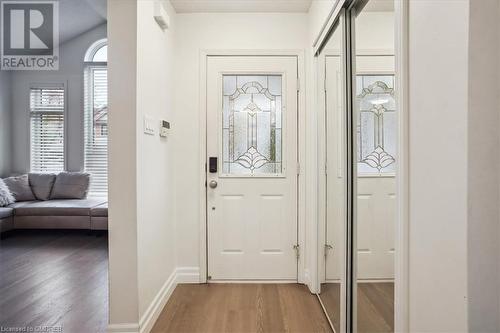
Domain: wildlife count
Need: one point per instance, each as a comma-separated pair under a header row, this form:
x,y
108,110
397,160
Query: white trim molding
x,y
149,318
402,232
152,313
123,328
188,275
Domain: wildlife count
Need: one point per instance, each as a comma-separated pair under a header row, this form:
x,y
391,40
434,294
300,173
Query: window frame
x,y
48,85
92,50
88,103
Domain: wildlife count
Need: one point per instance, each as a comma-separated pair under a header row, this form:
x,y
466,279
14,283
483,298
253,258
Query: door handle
x,y
212,184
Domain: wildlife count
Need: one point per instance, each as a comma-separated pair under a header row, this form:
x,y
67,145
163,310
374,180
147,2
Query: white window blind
x,y
96,128
47,129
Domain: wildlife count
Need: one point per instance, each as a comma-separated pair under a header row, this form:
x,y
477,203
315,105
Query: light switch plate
x,y
149,125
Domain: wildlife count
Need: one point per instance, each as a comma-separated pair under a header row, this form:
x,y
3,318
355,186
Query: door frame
x,y
402,229
322,178
302,189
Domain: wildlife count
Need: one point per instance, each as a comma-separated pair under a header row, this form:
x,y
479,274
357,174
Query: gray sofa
x,y
87,213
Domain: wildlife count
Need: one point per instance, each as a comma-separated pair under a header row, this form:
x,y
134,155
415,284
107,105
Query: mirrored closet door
x,y
358,157
375,117
332,123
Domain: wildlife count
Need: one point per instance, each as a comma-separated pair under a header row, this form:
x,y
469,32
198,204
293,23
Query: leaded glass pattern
x,y
377,124
252,125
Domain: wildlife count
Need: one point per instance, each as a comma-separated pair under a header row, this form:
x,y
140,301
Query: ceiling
x,y
79,16
237,6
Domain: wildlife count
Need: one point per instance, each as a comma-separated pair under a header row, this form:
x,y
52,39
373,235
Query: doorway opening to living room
x,y
53,165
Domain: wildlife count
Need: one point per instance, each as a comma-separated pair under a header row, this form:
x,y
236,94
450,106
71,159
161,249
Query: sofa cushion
x,y
100,211
6,212
68,207
20,188
71,185
6,197
41,184
51,222
19,204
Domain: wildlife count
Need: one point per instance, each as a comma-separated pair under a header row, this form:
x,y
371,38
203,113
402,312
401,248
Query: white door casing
x,y
335,174
252,130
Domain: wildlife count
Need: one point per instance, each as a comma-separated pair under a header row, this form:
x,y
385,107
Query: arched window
x,y
96,117
97,52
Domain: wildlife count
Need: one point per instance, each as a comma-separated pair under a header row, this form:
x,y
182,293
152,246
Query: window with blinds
x,y
96,128
47,129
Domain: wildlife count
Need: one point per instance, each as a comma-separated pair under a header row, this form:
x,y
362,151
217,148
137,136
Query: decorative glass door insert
x,y
252,131
377,124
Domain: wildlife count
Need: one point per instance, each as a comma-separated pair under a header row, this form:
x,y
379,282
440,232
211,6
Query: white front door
x,y
252,168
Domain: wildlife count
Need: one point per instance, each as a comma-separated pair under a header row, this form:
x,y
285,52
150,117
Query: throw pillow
x,y
20,188
71,185
6,198
41,184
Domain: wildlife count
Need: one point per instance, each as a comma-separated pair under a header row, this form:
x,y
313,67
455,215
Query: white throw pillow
x,y
6,198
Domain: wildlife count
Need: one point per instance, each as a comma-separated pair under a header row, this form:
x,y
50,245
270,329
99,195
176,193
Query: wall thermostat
x,y
164,128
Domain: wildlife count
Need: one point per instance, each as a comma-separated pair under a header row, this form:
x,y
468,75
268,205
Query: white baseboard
x,y
188,274
123,328
153,311
252,281
376,280
179,275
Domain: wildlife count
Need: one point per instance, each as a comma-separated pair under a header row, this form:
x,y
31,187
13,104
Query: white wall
x,y
122,163
438,37
196,32
483,168
5,123
70,73
142,229
155,155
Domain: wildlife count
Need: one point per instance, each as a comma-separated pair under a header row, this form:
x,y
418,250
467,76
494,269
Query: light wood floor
x,y
54,278
375,306
239,308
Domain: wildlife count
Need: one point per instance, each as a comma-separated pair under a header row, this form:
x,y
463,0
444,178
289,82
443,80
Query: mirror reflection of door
x,y
376,135
331,62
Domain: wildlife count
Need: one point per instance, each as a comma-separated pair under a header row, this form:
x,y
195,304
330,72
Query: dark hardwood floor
x,y
375,306
239,308
54,278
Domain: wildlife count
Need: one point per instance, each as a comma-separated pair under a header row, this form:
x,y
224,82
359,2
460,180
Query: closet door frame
x,y
348,8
